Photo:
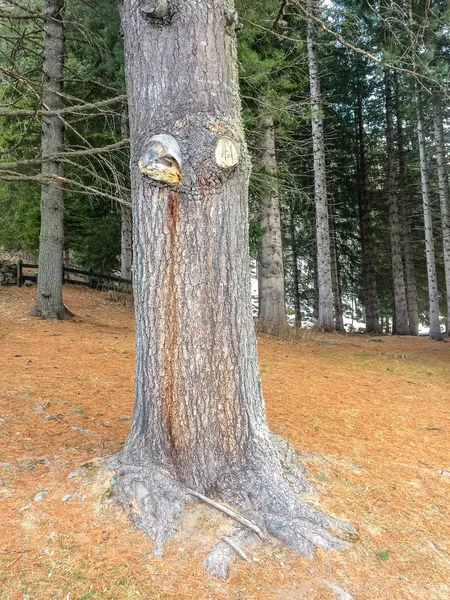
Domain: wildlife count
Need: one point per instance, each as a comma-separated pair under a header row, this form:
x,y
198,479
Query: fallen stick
x,y
231,513
236,548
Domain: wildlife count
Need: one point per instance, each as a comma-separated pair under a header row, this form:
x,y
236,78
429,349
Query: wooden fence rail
x,y
94,280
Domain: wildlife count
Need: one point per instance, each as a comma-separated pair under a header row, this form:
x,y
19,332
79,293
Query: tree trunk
x,y
49,300
405,218
365,225
126,216
435,328
272,314
335,280
199,418
325,319
295,269
401,312
442,170
126,242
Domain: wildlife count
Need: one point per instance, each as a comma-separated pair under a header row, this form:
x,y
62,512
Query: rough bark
x,y
295,269
199,420
401,311
49,300
325,319
405,220
272,314
126,242
444,197
126,216
365,226
435,328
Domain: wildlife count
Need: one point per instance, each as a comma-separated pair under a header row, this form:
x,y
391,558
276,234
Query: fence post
x,y
19,273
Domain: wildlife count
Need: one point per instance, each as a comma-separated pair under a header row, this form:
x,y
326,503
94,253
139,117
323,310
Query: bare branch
x,y
60,155
22,16
47,179
23,112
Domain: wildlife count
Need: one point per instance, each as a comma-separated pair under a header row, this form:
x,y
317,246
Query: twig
x,y
14,561
231,513
236,548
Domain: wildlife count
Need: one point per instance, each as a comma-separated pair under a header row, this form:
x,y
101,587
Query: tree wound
x,y
226,153
155,9
161,159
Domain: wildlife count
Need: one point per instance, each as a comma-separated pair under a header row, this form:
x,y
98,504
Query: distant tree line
x,y
346,116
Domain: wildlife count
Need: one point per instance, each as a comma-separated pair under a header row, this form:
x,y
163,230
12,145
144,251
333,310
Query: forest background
x,y
382,105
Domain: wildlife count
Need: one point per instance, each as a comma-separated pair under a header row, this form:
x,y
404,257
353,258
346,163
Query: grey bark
x,y
272,314
295,269
435,328
365,226
405,219
335,279
126,217
325,319
199,417
400,307
49,300
442,170
126,242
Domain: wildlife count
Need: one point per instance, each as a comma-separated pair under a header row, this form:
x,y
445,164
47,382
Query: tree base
x,y
62,314
264,493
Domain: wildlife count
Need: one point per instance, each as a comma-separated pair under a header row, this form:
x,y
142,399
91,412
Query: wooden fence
x,y
88,278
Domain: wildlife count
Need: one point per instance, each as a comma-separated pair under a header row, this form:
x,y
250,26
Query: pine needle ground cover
x,y
370,418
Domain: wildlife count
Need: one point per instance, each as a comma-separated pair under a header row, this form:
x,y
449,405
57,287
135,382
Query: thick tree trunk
x,y
365,226
435,328
199,417
295,269
401,311
405,218
325,319
126,242
444,197
49,300
272,314
126,216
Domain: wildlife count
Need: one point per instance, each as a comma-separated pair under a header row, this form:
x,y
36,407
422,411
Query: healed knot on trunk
x,y
161,159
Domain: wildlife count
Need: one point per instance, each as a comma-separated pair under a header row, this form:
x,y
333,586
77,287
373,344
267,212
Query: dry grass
x,y
376,415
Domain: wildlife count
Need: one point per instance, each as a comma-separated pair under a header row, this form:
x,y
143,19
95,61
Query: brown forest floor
x,y
376,412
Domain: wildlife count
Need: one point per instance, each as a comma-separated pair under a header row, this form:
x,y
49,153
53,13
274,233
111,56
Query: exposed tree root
x,y
264,493
63,314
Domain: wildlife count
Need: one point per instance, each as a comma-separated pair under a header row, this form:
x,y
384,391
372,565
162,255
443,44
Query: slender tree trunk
x,y
442,170
272,315
405,219
126,242
365,225
435,328
325,320
49,300
335,280
66,263
295,269
401,312
199,417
